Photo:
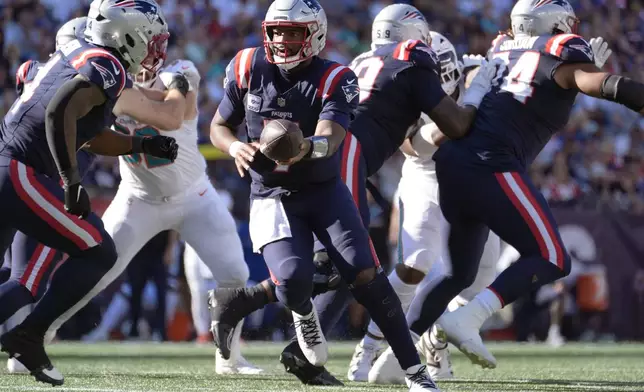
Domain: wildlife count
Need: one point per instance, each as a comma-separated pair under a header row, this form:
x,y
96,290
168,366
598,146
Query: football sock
x,y
382,303
13,296
524,276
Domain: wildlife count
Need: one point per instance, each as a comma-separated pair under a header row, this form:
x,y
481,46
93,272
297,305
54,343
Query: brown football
x,y
280,140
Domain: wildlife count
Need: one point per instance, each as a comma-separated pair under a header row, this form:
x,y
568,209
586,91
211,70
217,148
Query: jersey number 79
x,y
367,71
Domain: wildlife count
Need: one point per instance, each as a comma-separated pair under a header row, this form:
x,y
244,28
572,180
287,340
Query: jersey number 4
x,y
518,81
136,159
367,71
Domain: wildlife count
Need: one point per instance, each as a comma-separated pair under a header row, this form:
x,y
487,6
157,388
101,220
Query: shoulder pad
x,y
238,69
418,53
569,47
496,42
24,73
103,69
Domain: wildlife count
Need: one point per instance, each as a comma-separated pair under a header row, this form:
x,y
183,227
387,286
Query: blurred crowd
x,y
595,162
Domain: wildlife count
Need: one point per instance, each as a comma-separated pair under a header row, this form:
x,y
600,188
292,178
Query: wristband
x,y
137,144
319,147
234,148
623,90
70,176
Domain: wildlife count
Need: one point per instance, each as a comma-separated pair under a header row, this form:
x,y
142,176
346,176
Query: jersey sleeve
x,y
419,54
104,70
25,74
426,88
231,108
570,48
339,91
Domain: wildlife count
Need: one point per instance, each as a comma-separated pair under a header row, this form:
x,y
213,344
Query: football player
x,y
68,105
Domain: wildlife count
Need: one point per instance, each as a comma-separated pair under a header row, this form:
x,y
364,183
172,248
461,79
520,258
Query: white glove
x,y
472,60
185,67
601,51
482,82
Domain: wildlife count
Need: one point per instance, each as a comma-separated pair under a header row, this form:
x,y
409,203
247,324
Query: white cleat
x,y
555,339
363,358
418,380
240,366
386,370
95,335
310,337
436,353
458,330
14,366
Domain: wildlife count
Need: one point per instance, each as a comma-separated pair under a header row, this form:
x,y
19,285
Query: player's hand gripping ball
x,y
281,140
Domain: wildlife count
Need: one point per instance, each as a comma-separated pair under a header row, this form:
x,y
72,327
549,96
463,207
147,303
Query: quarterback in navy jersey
x,y
483,178
68,105
290,203
399,79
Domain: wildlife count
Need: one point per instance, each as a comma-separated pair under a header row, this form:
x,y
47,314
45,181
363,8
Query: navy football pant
x,y
332,304
474,202
34,204
328,211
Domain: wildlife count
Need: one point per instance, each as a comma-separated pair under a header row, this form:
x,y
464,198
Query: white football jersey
x,y
421,145
157,177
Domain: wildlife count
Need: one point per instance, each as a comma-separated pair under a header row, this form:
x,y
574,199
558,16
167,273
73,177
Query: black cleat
x,y
29,349
221,303
295,363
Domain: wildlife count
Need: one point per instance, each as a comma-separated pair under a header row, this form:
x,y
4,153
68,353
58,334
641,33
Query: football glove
x,y
600,50
482,82
160,147
472,60
77,200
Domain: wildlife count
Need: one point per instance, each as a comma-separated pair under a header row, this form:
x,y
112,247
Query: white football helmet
x,y
134,29
305,14
74,29
451,67
543,17
399,22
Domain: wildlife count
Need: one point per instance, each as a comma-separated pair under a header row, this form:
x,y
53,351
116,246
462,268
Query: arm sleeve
x,y
340,97
104,70
426,87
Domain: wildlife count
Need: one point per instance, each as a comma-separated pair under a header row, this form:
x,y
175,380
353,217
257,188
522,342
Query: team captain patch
x,y
351,91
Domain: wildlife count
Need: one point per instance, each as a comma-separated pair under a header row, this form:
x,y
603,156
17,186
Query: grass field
x,y
129,367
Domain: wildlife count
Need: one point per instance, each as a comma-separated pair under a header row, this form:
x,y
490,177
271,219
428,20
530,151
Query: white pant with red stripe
x,y
198,215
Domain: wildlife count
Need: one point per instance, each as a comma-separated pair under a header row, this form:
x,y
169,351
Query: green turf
x,y
137,367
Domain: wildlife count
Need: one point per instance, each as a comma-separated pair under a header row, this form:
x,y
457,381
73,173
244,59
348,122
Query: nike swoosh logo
x,y
117,71
351,81
203,193
185,67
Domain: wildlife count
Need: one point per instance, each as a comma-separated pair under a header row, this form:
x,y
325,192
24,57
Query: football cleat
x,y
363,358
419,380
457,328
240,366
436,353
386,369
295,363
310,337
29,349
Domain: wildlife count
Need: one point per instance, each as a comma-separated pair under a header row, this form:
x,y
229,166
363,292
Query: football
x,y
280,140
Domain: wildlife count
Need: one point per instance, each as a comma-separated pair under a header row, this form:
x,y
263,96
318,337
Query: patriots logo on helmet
x,y
413,15
563,3
148,9
108,79
351,91
313,5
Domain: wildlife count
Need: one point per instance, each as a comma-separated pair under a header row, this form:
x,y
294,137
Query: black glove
x,y
180,82
76,200
160,147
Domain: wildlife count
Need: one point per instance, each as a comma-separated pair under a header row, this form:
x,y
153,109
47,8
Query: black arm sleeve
x,y
55,128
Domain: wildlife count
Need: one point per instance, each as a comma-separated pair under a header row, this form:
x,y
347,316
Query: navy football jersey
x,y
258,91
397,82
22,133
522,112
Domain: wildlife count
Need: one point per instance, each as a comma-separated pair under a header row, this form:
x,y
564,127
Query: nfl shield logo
x,y
281,102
